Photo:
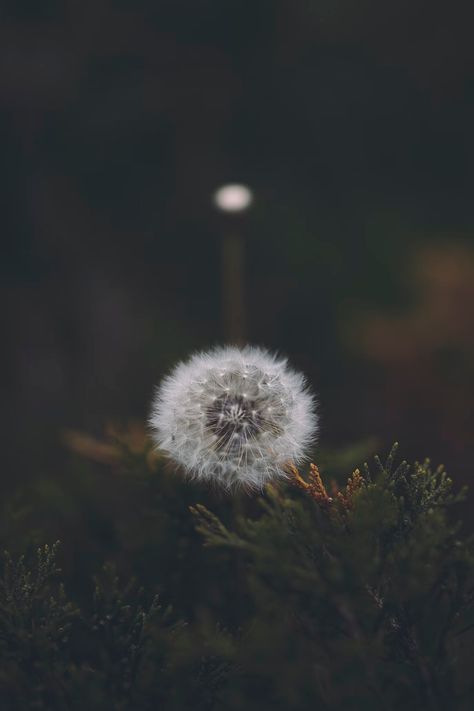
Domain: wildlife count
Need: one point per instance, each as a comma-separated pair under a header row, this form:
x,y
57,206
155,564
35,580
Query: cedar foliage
x,y
307,596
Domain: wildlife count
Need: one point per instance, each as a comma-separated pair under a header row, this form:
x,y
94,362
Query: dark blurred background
x,y
352,123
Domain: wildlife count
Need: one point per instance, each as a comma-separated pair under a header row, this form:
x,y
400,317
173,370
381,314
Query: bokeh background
x,y
353,125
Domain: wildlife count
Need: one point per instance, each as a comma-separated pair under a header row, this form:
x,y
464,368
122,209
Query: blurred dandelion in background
x,y
233,197
233,200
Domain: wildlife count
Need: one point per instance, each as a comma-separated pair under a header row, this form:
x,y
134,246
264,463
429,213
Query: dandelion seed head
x,y
234,416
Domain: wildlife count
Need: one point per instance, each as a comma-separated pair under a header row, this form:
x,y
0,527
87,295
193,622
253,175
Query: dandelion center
x,y
233,419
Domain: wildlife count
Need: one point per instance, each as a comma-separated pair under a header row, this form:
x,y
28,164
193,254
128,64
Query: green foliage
x,y
120,654
361,598
357,605
35,625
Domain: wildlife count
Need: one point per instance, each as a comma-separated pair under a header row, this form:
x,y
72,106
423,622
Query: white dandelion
x,y
234,416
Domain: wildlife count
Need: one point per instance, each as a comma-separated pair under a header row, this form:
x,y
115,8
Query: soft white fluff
x,y
235,416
